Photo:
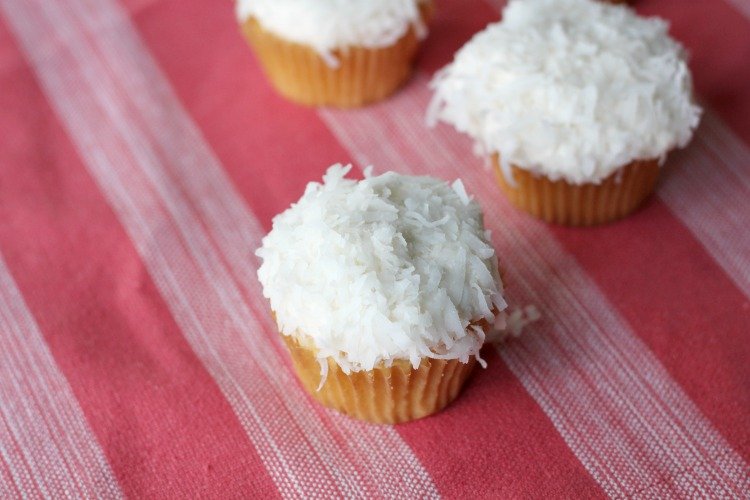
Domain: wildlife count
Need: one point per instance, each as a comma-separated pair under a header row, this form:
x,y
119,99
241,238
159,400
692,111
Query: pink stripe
x,y
46,446
620,412
188,269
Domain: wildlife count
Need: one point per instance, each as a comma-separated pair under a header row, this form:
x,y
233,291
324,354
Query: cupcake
x,y
575,102
383,290
335,52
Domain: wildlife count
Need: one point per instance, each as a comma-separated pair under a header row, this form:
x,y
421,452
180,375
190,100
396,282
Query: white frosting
x,y
571,89
327,25
390,267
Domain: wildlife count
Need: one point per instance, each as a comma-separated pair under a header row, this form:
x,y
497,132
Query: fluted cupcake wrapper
x,y
383,395
560,202
364,75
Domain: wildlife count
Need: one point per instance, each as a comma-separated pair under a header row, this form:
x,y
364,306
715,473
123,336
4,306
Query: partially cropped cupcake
x,y
335,52
576,102
383,290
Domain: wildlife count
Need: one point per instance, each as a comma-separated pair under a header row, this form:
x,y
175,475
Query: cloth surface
x,y
142,157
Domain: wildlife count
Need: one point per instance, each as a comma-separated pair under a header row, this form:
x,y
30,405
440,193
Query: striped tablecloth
x,y
142,156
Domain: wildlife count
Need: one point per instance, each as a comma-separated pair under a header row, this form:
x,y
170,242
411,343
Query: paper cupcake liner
x,y
364,75
560,202
384,395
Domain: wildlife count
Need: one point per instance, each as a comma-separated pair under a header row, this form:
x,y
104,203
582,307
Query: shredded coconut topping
x,y
389,267
327,25
570,89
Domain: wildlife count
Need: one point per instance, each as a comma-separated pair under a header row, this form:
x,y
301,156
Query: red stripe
x,y
243,128
162,422
495,441
238,112
683,306
718,38
454,24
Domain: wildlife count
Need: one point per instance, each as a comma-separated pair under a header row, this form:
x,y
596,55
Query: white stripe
x,y
623,416
8,478
46,445
709,191
166,185
721,140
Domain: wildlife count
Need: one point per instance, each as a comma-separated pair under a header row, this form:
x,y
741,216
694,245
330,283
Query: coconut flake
x,y
389,267
512,323
519,318
323,372
327,25
571,89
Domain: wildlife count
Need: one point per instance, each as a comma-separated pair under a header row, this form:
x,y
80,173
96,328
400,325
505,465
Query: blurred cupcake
x,y
576,102
383,290
335,52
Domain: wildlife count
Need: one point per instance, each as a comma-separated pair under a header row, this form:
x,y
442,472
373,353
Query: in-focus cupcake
x,y
333,52
383,290
577,103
